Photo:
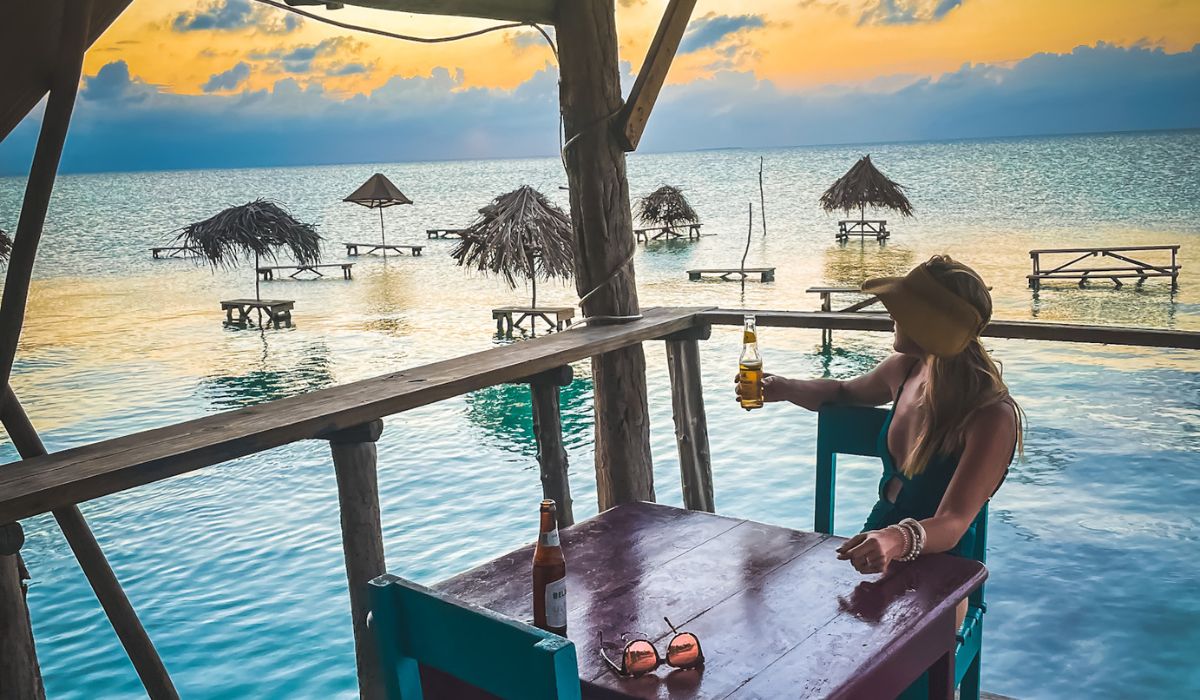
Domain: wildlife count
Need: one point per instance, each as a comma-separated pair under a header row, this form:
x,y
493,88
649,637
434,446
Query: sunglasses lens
x,y
684,651
640,658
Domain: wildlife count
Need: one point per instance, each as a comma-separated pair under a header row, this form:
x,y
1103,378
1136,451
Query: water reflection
x,y
1152,305
850,265
266,383
845,358
504,412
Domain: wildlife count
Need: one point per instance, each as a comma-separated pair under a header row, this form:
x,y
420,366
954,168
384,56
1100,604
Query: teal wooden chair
x,y
854,430
414,626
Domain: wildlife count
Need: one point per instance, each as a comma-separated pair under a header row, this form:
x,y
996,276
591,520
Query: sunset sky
x,y
214,82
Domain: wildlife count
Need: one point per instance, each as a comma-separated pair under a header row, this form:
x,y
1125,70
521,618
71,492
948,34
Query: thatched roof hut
x,y
667,207
378,192
5,245
519,234
257,229
863,186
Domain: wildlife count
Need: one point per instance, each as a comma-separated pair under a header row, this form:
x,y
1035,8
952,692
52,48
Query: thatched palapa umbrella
x,y
864,185
261,228
5,245
666,207
378,192
520,234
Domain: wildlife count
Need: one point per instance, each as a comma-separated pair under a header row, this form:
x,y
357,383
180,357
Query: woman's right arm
x,y
874,388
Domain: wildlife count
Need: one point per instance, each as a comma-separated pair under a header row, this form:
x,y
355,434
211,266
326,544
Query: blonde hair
x,y
958,387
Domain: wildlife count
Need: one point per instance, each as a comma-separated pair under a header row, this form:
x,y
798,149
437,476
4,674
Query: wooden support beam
x,y
116,605
547,431
691,424
355,463
654,71
20,676
590,96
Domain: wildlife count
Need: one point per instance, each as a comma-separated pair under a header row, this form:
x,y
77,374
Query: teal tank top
x,y
920,496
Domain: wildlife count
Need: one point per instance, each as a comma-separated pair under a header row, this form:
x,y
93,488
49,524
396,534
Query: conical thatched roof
x,y
666,206
520,234
378,192
261,228
865,186
5,245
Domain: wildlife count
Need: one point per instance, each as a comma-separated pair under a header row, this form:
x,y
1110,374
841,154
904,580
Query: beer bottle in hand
x,y
549,576
750,389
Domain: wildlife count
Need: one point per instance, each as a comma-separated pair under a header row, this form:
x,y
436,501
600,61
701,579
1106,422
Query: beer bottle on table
x,y
750,367
549,576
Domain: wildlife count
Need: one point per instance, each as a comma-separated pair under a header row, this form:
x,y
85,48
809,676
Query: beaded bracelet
x,y
907,535
918,534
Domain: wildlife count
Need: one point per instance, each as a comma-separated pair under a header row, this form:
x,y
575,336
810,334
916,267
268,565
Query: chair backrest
x,y
414,625
855,430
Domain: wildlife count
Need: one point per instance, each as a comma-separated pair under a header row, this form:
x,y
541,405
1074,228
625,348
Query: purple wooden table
x,y
777,614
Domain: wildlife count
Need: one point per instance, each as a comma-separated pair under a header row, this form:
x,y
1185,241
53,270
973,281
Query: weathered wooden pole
x,y
547,431
20,676
590,97
355,462
116,605
691,423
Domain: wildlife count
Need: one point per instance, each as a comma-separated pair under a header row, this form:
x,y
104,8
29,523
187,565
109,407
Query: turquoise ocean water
x,y
237,570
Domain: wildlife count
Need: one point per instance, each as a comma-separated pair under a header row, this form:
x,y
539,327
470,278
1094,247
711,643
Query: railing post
x,y
691,424
354,462
547,430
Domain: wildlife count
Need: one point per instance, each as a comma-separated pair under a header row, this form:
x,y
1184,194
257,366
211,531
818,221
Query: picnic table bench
x,y
277,311
352,248
444,232
1132,268
668,232
766,274
174,251
776,613
268,271
827,298
505,323
863,228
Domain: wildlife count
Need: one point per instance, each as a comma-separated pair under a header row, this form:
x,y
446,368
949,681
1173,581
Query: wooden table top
x,y
776,613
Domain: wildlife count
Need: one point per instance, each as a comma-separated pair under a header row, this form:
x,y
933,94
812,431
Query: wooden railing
x,y
349,417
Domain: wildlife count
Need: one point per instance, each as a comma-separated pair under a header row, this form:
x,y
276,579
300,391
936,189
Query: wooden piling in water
x,y
691,422
355,461
547,431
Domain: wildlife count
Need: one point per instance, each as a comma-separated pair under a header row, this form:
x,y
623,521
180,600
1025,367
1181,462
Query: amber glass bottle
x,y
549,576
750,367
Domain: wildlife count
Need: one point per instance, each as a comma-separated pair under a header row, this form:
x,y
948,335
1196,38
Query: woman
x,y
953,428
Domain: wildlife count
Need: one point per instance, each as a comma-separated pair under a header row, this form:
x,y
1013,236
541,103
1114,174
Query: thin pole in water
x,y
762,197
746,252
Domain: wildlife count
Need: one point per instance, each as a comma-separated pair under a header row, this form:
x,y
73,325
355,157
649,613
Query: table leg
x,y
941,677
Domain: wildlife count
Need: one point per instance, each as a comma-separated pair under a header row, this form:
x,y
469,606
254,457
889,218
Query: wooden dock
x,y
277,311
864,229
644,235
1125,266
368,248
508,318
766,274
174,251
444,233
827,298
268,271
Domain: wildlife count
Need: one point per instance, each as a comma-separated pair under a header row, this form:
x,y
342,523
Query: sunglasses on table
x,y
641,657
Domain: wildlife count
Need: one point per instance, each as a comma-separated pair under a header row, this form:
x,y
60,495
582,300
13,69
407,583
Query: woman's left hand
x,y
871,552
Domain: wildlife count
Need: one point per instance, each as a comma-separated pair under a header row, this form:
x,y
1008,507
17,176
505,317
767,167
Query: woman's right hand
x,y
774,387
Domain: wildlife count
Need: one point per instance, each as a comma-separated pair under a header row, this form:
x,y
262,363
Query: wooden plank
x,y
551,455
1101,249
1021,330
649,81
83,473
512,10
602,227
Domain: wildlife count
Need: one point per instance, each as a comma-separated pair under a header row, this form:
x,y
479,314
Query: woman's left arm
x,y
985,458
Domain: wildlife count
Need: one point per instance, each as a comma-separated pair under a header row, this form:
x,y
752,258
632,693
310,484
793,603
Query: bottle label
x,y
548,539
556,603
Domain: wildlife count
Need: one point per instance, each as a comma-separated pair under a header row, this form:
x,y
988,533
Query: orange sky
x,y
802,43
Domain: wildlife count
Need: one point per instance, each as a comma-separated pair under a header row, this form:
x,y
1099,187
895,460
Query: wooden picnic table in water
x,y
777,614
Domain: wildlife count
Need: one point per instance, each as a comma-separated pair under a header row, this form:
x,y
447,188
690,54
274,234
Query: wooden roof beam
x,y
541,11
649,82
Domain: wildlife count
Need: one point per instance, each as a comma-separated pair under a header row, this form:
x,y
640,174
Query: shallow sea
x,y
237,570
